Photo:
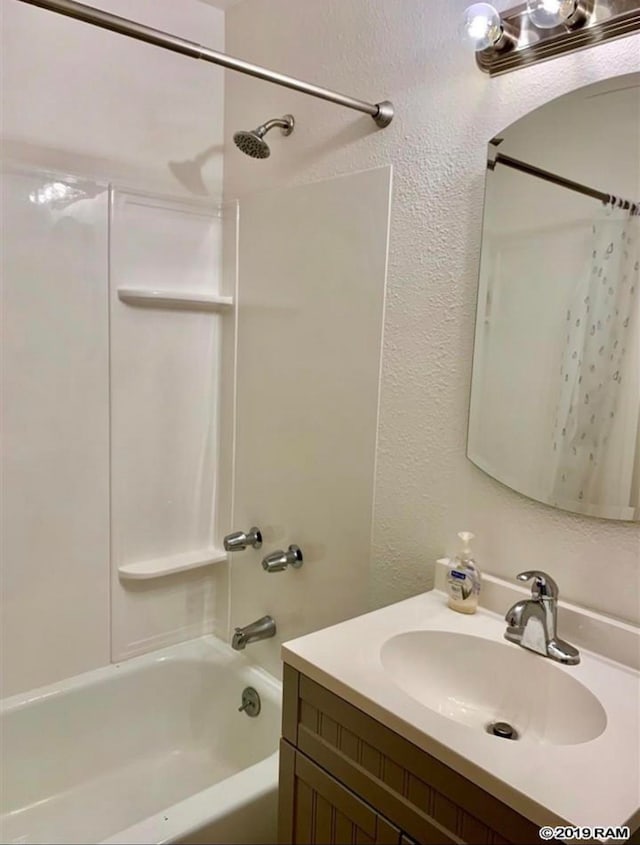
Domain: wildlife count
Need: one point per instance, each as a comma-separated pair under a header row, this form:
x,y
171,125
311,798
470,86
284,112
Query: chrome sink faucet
x,y
532,623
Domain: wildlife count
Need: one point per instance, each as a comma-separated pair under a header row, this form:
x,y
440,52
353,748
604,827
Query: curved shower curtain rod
x,y
381,112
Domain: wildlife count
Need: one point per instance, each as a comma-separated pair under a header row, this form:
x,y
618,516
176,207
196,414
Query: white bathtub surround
x,y
151,750
85,102
186,300
166,365
88,380
54,559
161,567
312,272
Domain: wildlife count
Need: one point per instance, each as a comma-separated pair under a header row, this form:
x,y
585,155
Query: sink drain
x,y
503,730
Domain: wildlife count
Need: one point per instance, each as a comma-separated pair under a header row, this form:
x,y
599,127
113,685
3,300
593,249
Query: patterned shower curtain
x,y
595,437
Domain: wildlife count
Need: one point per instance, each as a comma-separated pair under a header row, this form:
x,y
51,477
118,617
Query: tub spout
x,y
262,629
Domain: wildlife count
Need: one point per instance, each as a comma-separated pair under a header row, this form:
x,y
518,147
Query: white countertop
x,y
595,783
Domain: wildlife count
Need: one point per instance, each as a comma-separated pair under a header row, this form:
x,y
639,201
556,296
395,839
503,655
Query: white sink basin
x,y
438,678
478,682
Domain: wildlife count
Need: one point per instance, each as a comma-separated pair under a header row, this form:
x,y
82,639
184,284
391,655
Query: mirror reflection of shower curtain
x,y
595,438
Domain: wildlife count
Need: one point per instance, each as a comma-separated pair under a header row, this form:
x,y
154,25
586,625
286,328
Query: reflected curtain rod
x,y
517,164
382,112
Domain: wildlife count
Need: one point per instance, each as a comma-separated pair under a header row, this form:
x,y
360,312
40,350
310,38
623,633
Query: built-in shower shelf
x,y
161,566
179,299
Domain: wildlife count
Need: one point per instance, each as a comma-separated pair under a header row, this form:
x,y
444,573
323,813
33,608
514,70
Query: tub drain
x,y
251,704
503,730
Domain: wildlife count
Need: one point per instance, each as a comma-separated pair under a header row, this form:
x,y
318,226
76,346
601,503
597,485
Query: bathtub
x,y
151,750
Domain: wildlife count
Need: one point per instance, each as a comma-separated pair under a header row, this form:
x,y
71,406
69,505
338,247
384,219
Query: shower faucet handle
x,y
239,540
279,561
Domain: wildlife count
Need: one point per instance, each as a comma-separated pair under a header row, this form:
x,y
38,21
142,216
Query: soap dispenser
x,y
463,578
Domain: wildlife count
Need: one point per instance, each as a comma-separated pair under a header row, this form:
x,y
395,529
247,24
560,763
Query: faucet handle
x,y
278,561
543,587
239,540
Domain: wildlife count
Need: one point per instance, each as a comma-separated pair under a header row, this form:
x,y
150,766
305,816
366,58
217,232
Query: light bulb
x,y
481,27
547,14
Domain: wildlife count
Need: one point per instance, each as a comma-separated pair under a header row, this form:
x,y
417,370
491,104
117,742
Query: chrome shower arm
x,y
382,113
282,122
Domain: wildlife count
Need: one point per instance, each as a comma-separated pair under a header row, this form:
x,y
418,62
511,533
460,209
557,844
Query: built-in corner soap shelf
x,y
162,566
177,299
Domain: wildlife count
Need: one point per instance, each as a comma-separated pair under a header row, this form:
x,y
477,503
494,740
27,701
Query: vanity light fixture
x,y
483,29
548,14
537,30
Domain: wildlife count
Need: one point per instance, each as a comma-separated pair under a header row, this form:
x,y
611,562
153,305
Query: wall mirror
x,y
555,395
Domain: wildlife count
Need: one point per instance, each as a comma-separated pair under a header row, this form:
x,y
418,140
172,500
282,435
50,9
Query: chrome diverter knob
x,y
279,561
239,540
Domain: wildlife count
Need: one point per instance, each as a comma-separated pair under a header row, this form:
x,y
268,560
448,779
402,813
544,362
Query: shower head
x,y
253,144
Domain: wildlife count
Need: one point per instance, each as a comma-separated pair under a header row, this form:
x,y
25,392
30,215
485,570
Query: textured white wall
x,y
409,51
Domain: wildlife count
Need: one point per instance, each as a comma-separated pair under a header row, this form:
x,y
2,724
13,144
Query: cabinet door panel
x,y
324,820
320,811
303,818
343,828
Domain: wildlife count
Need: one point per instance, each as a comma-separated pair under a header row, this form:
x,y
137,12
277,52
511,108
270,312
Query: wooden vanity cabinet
x,y
347,778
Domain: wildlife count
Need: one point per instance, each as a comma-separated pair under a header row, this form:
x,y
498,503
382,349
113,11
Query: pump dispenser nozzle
x,y
463,580
466,537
